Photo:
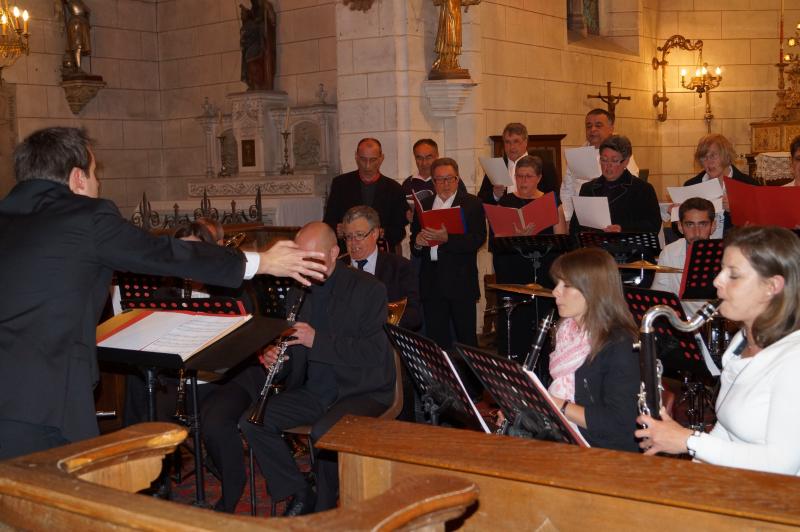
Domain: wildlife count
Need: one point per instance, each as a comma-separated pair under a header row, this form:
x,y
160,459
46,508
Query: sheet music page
x,y
546,395
710,190
583,162
478,415
181,333
592,212
496,169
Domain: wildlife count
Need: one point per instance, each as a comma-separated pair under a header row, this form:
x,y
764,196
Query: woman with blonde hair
x,y
594,367
715,154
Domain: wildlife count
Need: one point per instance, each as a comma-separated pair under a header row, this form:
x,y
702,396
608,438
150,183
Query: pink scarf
x,y
572,348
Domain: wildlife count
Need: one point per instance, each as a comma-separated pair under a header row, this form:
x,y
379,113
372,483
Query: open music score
x,y
537,215
181,333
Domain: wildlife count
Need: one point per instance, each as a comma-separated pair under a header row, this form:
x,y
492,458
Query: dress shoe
x,y
302,503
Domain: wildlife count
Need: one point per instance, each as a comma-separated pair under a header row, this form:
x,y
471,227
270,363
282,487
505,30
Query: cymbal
x,y
645,265
531,289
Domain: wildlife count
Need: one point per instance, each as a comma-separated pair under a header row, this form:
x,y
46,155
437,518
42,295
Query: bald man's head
x,y
318,236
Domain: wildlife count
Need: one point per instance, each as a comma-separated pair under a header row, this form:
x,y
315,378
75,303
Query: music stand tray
x,y
430,367
703,263
515,390
691,354
623,246
537,243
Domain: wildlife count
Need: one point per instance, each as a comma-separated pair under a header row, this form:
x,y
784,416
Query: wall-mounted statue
x,y
359,5
448,40
79,42
258,41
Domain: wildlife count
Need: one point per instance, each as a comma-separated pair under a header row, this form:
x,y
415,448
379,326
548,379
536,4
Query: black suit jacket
x,y
738,175
59,252
455,274
397,275
389,201
352,342
635,209
606,387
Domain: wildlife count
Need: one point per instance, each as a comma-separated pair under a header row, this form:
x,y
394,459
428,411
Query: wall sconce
x,y
676,41
701,83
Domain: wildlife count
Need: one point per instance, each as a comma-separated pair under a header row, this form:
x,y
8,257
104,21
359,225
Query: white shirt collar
x,y
439,204
372,262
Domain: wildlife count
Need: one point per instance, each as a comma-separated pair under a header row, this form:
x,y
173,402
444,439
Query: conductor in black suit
x,y
367,186
361,227
340,362
60,247
449,271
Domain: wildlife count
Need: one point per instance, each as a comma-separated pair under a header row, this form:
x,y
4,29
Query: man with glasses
x,y
449,271
515,146
361,228
632,203
599,127
697,221
367,186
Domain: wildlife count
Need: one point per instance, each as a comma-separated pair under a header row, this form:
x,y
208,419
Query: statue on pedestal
x,y
448,40
259,45
79,43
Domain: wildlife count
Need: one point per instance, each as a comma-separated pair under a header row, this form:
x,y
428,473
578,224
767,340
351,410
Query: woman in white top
x,y
757,422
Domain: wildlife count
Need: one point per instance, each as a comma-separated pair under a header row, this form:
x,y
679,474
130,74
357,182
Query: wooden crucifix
x,y
610,100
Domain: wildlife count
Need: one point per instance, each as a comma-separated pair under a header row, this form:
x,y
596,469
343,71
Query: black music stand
x,y
435,376
681,351
703,263
534,248
517,391
223,354
624,247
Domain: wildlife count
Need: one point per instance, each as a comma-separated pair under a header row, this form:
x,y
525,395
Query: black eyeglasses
x,y
358,236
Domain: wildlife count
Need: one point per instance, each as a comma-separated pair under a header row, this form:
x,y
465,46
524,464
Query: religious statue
x,y
448,40
76,17
359,5
259,45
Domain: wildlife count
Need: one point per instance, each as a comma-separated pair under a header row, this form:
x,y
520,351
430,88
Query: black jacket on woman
x,y
607,388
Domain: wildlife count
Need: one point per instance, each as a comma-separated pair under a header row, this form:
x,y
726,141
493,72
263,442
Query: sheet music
x,y
583,162
592,212
496,169
463,389
710,190
555,408
181,333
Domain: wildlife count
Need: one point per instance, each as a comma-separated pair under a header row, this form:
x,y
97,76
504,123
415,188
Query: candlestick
x,y
25,17
286,169
286,121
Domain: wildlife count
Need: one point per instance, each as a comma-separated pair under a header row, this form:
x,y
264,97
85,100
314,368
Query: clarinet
x,y
650,388
257,414
533,356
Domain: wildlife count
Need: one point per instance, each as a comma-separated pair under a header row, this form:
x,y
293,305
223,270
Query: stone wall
x,y
124,117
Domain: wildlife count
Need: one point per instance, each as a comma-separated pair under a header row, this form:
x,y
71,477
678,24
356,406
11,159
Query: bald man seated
x,y
340,362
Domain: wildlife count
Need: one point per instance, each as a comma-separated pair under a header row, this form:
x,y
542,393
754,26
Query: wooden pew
x,y
548,486
88,485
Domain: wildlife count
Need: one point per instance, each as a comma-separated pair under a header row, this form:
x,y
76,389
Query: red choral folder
x,y
763,205
507,221
452,219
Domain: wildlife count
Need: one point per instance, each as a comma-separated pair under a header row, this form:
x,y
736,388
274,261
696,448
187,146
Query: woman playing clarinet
x,y
757,423
594,367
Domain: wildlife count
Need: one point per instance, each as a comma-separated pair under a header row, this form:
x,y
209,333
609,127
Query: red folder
x,y
507,221
763,205
452,219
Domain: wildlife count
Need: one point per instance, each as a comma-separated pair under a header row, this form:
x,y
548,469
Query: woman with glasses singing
x,y
632,203
716,154
512,268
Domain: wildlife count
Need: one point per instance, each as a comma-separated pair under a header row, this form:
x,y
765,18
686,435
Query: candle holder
x,y
223,168
286,169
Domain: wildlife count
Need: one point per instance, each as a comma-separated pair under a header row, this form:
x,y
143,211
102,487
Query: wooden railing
x,y
535,485
88,485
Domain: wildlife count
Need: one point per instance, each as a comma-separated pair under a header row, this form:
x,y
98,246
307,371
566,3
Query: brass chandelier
x,y
15,36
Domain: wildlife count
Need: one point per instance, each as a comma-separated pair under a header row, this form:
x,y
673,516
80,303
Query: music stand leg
x,y
150,387
199,477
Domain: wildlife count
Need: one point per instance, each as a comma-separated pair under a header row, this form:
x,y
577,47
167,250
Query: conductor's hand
x,y
285,259
498,191
665,436
268,356
303,335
